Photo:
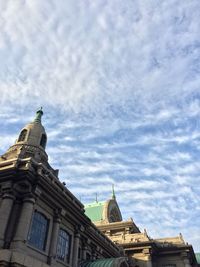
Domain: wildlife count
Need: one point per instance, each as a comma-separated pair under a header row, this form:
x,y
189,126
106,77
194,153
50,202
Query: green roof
x,y
100,263
198,257
95,211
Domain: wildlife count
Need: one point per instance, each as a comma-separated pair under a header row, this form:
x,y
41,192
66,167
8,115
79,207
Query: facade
x,y
140,249
41,222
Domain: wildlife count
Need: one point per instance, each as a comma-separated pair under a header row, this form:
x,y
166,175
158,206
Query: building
x,y
43,224
140,249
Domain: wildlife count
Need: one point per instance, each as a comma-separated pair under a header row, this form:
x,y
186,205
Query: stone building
x,y
140,249
41,222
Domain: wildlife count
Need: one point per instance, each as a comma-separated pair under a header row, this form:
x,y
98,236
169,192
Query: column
x,y
187,262
12,223
24,222
84,251
54,236
75,249
5,211
149,262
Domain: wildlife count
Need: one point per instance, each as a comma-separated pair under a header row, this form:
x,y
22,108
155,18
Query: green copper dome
x,y
95,211
104,211
198,257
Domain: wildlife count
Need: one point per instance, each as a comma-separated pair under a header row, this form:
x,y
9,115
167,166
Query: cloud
x,y
119,84
112,55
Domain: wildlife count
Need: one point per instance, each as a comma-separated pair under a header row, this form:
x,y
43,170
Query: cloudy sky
x,y
119,82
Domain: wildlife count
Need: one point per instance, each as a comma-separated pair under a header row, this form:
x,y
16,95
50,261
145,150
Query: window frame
x,y
67,256
24,134
43,249
43,140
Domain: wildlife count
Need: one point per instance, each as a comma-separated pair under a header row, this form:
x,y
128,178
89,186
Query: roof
x,y
198,257
95,211
104,263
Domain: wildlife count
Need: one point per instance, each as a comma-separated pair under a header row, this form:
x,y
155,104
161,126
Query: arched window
x,y
43,140
114,215
63,245
22,135
38,232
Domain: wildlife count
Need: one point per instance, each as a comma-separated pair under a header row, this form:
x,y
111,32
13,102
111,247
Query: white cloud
x,y
119,83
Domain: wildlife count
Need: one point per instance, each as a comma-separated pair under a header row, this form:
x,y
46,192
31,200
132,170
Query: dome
x,y
104,211
33,133
31,142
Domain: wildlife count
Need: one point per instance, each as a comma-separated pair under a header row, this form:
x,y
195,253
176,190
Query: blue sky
x,y
120,87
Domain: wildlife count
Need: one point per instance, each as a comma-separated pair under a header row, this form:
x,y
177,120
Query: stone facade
x,y
143,251
41,222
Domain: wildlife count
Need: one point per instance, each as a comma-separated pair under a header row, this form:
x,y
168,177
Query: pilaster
x,y
186,259
24,222
147,256
54,236
5,212
75,249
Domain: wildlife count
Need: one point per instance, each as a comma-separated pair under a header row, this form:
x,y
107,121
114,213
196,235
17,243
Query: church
x,y
43,224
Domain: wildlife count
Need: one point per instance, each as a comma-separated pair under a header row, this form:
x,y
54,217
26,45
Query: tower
x,y
41,222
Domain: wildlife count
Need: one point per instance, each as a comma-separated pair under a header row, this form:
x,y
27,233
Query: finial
x,y
113,192
38,116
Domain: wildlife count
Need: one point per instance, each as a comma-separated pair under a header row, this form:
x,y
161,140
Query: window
x,y
88,257
43,140
114,215
22,135
38,232
63,246
79,253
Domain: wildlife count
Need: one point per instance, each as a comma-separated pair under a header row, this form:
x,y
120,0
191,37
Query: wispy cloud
x,y
119,83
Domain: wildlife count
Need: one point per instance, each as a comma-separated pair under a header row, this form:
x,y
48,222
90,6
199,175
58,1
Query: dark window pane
x,y
43,141
63,246
38,231
22,135
88,257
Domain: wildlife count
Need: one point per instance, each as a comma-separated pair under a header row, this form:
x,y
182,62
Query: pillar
x,y
24,222
84,251
187,262
5,211
12,223
53,243
75,249
149,262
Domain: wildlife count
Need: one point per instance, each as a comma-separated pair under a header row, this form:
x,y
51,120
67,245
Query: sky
x,y
119,83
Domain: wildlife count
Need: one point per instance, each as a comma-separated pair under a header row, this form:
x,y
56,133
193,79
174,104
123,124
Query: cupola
x,y
31,142
33,133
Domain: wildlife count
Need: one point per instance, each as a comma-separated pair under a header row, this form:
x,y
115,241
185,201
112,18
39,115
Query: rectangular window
x,y
79,253
38,232
63,246
88,257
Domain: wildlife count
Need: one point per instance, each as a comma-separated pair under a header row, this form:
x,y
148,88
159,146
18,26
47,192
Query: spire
x,y
113,192
38,116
